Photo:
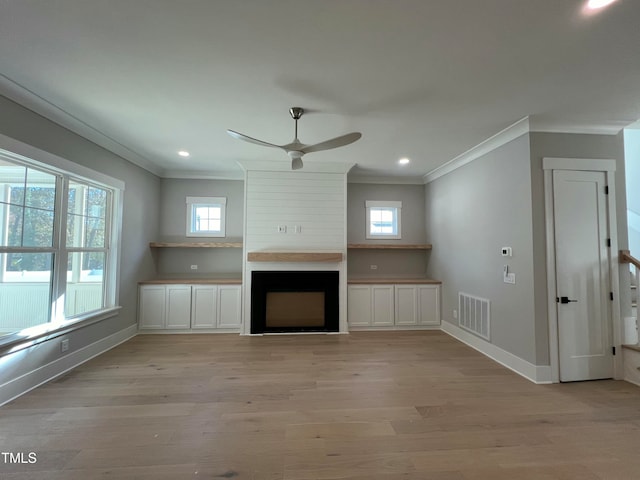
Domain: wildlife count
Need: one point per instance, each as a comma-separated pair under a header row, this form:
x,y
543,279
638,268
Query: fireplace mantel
x,y
294,256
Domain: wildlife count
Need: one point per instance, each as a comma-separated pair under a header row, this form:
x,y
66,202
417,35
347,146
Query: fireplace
x,y
294,301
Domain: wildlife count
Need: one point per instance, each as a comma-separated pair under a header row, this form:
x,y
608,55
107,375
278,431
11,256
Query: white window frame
x,y
211,202
396,206
18,152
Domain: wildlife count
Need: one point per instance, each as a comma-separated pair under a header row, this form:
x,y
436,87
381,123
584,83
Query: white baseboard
x,y
33,379
534,373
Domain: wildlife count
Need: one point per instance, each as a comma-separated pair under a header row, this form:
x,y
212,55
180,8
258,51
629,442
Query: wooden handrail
x,y
626,257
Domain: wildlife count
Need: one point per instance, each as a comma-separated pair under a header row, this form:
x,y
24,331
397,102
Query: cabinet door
x,y
406,305
229,306
359,305
151,307
429,304
383,305
203,306
178,306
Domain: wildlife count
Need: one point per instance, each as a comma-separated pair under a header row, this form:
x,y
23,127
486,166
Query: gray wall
x,y
139,227
173,227
566,145
498,200
396,262
470,214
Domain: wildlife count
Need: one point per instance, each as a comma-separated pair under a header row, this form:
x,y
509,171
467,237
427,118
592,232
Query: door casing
x,y
608,166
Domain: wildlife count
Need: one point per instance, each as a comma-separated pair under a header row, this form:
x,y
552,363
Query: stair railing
x,y
626,257
634,263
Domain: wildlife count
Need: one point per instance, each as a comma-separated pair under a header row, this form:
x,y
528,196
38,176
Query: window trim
x,y
373,204
16,151
206,201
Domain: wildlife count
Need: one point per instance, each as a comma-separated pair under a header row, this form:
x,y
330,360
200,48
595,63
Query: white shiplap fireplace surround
x,y
301,211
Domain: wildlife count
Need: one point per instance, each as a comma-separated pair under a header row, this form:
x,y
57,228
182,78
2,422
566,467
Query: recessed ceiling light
x,y
403,161
596,4
183,153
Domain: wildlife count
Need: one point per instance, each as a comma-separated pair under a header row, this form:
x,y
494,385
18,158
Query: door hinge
x,y
611,296
613,349
608,242
606,189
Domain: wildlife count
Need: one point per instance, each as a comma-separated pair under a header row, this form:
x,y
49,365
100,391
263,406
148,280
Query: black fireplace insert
x,y
294,301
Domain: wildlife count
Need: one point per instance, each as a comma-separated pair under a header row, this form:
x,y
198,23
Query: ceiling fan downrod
x,y
296,113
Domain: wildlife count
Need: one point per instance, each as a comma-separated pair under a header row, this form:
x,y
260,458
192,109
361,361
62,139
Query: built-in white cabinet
x,y
178,307
359,305
382,303
229,306
393,306
204,302
190,307
152,307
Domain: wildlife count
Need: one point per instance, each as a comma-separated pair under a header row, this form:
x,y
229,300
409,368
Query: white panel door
x,y
229,306
151,311
406,303
383,305
582,278
203,306
178,306
428,305
359,305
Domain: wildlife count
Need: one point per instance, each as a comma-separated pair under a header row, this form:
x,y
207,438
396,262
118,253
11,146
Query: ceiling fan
x,y
297,149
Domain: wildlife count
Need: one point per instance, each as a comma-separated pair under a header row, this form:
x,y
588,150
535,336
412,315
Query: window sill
x,y
41,333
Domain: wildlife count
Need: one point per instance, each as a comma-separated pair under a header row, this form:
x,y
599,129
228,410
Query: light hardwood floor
x,y
364,406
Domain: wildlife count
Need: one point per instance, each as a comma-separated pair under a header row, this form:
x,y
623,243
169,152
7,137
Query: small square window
x,y
206,216
383,219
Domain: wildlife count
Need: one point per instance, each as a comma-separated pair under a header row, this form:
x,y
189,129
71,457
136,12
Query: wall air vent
x,y
474,314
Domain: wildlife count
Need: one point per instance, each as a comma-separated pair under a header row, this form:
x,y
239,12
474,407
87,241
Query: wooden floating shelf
x,y
390,246
294,256
195,244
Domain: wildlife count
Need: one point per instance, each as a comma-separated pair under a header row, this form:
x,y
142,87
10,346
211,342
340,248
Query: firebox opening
x,y
295,309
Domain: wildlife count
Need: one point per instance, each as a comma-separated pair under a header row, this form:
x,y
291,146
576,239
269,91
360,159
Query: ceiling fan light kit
x,y
297,149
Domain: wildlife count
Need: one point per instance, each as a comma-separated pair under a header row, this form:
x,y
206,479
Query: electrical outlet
x,y
64,345
455,314
194,267
510,278
282,229
373,267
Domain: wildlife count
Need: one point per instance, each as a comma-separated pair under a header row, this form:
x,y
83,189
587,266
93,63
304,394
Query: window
x,y
206,216
383,219
57,251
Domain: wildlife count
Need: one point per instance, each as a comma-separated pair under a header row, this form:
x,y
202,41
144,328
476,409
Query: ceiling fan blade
x,y
333,143
246,138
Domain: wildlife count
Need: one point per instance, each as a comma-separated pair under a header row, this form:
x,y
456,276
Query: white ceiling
x,y
426,79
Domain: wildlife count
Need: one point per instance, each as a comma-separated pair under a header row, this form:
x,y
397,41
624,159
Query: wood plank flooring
x,y
364,406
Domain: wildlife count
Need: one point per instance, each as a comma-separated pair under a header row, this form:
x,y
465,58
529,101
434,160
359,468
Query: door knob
x,y
564,300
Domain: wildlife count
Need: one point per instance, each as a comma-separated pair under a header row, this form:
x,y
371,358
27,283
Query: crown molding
x,y
202,175
510,133
30,100
547,126
388,180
